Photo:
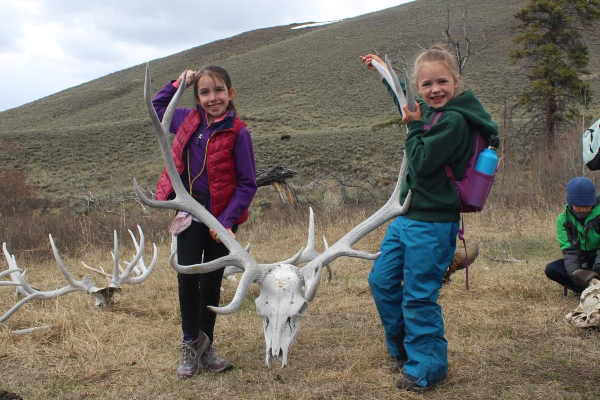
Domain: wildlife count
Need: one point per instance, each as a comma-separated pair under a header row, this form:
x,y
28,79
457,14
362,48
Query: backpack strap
x,y
433,118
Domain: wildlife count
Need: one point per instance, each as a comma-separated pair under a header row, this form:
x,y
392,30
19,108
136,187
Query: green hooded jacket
x,y
450,141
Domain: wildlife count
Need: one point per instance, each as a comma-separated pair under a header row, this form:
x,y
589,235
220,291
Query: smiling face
x,y
436,84
213,96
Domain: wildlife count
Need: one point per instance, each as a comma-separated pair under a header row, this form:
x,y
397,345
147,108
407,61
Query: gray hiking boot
x,y
212,363
189,365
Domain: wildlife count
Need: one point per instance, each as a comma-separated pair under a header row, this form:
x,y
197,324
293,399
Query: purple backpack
x,y
474,187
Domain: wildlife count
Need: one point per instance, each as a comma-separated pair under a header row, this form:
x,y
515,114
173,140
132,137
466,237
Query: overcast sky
x,y
50,45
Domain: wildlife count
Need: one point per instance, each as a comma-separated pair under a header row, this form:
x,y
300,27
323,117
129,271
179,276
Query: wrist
x,y
414,125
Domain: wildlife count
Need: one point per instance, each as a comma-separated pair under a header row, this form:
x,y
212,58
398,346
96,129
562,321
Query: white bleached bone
x,y
285,289
29,330
84,285
101,296
392,79
587,313
122,275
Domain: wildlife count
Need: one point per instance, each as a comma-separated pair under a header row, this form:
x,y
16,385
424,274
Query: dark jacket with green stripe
x,y
578,241
450,141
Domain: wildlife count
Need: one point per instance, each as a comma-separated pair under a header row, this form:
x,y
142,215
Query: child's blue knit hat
x,y
581,192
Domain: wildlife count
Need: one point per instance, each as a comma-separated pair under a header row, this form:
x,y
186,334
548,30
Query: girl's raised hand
x,y
372,57
409,116
190,75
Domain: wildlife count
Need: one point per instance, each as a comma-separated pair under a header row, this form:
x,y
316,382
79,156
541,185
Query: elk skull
x,y
281,305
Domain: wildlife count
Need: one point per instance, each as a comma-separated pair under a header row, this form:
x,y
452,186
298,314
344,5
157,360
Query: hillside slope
x,y
307,82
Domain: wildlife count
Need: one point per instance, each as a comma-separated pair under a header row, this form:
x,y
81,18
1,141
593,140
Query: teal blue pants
x,y
405,282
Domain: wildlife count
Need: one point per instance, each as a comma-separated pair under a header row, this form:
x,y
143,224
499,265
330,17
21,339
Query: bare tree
x,y
461,45
464,50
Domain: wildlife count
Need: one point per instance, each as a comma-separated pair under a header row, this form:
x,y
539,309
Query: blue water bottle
x,y
487,161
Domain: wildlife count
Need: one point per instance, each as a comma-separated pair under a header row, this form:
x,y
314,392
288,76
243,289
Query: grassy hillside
x,y
307,82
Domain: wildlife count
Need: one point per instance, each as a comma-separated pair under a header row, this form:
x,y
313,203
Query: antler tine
x,y
398,88
140,267
8,272
85,284
392,79
410,92
329,272
14,275
12,268
17,277
343,247
309,252
306,253
249,277
115,255
138,259
99,271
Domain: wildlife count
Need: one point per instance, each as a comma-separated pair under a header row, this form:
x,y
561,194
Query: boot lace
x,y
188,353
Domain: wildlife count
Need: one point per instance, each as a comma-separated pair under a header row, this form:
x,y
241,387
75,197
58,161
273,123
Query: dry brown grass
x,y
507,338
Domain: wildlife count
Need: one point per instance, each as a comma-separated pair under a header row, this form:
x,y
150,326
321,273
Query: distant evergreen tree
x,y
554,55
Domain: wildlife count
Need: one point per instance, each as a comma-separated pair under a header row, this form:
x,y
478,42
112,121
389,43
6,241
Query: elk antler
x,y
102,296
238,257
84,285
392,79
284,288
136,265
343,247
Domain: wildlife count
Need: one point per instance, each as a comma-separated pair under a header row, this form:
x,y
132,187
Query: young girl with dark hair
x,y
214,155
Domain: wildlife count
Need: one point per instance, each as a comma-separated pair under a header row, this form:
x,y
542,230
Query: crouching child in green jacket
x,y
578,235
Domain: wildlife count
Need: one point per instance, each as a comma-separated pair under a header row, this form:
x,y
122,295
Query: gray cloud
x,y
75,41
160,23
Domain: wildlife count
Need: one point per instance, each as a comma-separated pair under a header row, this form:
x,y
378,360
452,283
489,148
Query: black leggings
x,y
556,271
198,291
